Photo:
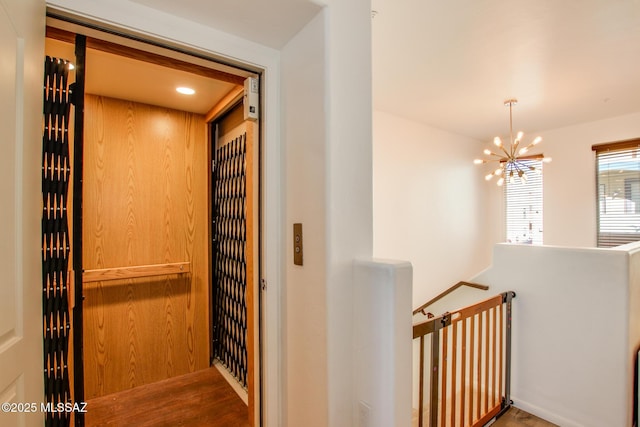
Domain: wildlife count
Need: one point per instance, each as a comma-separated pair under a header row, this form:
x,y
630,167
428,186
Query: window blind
x,y
523,206
618,192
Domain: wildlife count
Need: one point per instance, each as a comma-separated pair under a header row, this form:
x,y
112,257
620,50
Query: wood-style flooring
x,y
204,398
515,417
201,398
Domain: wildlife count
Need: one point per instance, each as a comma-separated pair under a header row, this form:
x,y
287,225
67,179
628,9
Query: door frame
x,y
254,251
21,242
267,304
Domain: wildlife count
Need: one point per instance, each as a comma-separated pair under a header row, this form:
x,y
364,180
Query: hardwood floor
x,y
514,417
518,418
201,398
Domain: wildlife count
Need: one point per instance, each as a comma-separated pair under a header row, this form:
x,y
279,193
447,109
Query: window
x,y
524,206
618,184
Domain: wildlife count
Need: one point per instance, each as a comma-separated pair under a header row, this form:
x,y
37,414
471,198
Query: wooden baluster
x,y
494,340
463,378
479,373
472,336
486,361
501,345
421,387
454,368
435,368
444,367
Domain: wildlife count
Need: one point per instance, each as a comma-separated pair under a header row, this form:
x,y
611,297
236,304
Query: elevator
x,y
169,219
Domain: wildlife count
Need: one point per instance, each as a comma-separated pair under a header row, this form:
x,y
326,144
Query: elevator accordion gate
x,y
230,267
56,246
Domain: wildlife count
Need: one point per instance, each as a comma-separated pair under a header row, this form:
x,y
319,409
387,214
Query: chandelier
x,y
512,159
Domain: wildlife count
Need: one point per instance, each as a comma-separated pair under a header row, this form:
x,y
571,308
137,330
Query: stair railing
x,y
422,309
468,356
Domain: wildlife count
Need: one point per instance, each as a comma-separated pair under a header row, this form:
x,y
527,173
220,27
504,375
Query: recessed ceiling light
x,y
185,90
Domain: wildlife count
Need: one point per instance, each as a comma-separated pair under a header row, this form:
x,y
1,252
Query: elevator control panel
x,y
297,244
251,98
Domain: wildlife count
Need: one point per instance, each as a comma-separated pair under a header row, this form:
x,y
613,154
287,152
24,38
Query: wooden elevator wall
x,y
146,173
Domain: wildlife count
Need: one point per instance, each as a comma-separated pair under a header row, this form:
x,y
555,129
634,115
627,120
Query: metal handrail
x,y
422,308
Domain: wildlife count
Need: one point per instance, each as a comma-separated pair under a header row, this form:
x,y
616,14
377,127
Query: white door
x,y
21,76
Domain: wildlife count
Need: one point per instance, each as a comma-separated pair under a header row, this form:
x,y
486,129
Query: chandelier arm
x,y
505,152
510,162
522,172
516,164
526,149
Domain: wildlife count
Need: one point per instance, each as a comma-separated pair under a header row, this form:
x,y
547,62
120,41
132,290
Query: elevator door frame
x,y
254,235
258,310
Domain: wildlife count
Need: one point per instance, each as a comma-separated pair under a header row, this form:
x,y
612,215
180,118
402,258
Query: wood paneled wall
x,y
145,202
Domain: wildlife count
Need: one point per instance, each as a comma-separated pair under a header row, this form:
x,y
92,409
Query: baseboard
x,y
543,413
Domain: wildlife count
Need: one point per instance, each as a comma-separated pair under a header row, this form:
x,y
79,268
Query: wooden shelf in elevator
x,y
119,273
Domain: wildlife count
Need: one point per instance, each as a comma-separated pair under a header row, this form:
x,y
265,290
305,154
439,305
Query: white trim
x,y
233,381
146,22
543,413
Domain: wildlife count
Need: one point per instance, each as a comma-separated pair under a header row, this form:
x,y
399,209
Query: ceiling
x,y
119,77
452,64
268,22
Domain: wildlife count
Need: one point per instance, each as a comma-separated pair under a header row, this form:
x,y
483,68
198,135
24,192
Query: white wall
x,y
348,176
572,343
383,343
634,315
569,180
304,314
326,123
431,204
327,134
